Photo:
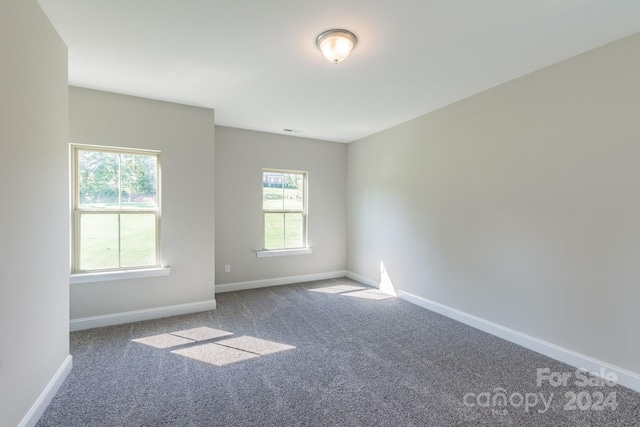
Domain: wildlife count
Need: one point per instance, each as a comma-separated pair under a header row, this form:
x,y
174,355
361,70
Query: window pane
x,y
139,181
97,179
272,190
273,230
293,192
293,234
98,241
137,240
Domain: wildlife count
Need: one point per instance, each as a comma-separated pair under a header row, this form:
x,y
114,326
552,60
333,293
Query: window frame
x,y
304,211
77,212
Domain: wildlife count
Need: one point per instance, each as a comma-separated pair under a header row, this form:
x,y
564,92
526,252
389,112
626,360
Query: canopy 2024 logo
x,y
499,400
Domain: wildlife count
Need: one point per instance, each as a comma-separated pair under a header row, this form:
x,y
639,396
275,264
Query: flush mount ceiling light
x,y
336,45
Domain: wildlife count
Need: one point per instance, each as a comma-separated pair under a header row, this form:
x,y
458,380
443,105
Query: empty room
x,y
358,213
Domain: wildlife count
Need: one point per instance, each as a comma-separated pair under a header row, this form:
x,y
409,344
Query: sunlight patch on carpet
x,y
164,341
338,289
214,354
255,345
363,292
202,333
368,294
219,352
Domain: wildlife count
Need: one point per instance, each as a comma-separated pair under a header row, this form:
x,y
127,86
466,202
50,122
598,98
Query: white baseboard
x,y
625,378
38,408
138,315
254,284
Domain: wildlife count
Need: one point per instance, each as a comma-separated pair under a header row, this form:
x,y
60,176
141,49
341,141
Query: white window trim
x,y
283,252
305,214
76,213
105,276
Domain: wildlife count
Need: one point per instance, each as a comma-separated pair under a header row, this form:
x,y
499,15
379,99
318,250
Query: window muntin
x,y
116,209
284,209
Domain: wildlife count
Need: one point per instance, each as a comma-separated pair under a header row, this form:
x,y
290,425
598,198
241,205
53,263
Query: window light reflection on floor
x,y
214,354
385,290
221,352
338,289
163,341
372,294
188,336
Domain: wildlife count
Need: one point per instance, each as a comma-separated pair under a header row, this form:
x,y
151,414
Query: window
x,y
116,209
284,209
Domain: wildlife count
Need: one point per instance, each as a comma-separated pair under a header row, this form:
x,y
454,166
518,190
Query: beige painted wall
x,y
34,243
518,205
185,136
240,157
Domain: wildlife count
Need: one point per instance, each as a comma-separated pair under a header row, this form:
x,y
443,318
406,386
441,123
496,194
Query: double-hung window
x,y
116,209
284,209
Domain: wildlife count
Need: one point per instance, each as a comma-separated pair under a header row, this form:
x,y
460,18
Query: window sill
x,y
106,276
283,252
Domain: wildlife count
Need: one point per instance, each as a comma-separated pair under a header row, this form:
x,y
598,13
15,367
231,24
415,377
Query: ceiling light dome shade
x,y
336,45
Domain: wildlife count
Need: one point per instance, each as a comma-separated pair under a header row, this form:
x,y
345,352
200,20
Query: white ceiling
x,y
256,63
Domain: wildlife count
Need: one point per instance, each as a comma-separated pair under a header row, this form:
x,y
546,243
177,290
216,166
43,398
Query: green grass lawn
x,y
283,230
113,204
276,198
99,248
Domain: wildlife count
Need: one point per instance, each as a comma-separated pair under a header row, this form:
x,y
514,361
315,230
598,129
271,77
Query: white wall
x,y
519,205
34,243
185,136
240,157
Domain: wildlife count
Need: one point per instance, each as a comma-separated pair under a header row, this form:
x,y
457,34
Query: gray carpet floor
x,y
329,353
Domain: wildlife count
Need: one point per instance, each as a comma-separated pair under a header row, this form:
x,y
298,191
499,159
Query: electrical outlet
x,y
227,268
